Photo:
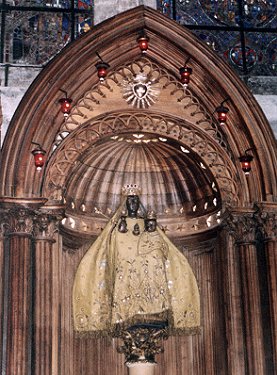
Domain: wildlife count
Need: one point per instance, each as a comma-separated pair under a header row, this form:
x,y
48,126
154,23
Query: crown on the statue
x,y
151,215
131,189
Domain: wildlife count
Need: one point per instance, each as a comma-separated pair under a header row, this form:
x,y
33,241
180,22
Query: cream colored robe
x,y
125,279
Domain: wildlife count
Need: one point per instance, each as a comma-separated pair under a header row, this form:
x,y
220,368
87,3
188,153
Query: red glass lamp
x,y
102,70
185,73
222,114
65,106
143,42
39,156
245,161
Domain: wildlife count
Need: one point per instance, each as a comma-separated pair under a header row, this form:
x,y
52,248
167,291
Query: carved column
x,y
141,344
19,292
269,228
231,286
46,305
242,227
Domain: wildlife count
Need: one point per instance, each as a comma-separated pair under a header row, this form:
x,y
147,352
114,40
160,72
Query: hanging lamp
x,y
245,161
143,41
222,113
102,68
185,73
65,104
39,156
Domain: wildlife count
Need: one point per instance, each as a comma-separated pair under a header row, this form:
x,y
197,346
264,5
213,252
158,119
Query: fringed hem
x,y
190,331
92,334
117,331
163,320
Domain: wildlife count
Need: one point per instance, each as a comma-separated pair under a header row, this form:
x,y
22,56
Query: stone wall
x,y
104,9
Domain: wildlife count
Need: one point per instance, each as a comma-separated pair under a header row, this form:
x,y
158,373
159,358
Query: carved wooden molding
x,y
112,92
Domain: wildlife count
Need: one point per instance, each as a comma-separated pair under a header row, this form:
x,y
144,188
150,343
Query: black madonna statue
x,y
133,274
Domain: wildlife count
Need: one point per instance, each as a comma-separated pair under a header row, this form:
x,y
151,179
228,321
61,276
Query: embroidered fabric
x,y
127,279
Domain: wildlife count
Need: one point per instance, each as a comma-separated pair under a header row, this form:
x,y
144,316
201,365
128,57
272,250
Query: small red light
x,y
222,114
245,161
39,158
102,68
143,42
185,73
65,106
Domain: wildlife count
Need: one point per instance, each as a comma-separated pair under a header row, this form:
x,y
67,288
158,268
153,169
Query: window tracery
x,y
34,31
242,32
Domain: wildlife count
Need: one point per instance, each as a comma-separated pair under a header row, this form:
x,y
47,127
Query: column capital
x,y
241,225
29,217
46,222
142,343
267,222
17,220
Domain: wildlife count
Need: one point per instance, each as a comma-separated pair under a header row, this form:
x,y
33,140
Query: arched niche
x,y
38,117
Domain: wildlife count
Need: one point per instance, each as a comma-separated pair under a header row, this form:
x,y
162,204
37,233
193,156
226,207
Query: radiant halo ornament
x,y
139,91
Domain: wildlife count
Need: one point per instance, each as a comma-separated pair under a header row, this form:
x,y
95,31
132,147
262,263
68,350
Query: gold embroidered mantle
x,y
125,279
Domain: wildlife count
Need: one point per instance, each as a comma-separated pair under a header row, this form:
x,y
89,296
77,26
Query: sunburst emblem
x,y
139,91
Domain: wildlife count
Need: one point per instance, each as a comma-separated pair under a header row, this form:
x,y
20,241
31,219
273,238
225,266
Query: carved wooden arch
x,y
38,118
117,90
84,138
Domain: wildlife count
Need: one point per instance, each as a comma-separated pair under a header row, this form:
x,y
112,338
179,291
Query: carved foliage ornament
x,y
46,225
21,220
244,226
267,223
141,344
241,226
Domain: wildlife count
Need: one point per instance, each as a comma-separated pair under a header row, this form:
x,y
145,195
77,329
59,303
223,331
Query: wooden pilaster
x,y
252,309
243,226
19,291
46,304
268,221
231,286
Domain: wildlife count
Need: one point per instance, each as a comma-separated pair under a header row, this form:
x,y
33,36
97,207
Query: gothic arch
x,y
73,70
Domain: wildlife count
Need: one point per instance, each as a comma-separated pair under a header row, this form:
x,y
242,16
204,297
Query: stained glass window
x,y
33,31
243,32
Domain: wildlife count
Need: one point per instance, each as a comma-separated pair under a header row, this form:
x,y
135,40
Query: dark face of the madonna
x,y
132,204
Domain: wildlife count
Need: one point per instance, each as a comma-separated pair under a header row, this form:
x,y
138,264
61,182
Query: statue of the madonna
x,y
133,274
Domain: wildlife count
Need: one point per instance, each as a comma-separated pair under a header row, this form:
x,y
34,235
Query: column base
x,y
141,368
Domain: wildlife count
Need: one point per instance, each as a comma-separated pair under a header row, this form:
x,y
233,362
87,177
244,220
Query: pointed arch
x,y
38,118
